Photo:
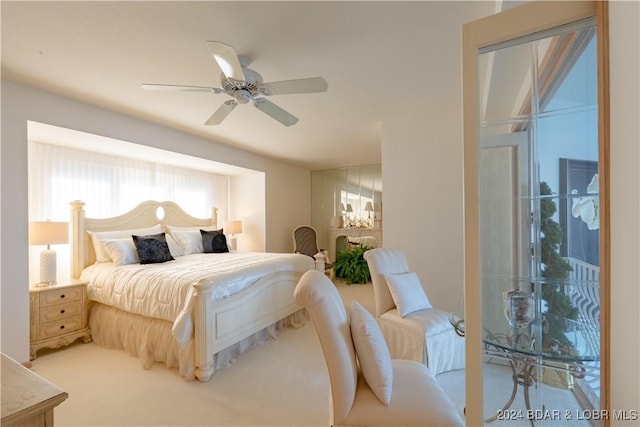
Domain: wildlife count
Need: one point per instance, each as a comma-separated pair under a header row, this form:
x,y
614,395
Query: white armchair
x,y
414,396
425,335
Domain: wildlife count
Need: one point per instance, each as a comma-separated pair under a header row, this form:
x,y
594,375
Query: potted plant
x,y
351,265
558,304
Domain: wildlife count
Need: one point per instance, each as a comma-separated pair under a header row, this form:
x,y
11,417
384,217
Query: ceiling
x,y
380,59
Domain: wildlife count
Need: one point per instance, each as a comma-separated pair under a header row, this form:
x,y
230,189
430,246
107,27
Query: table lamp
x,y
349,210
232,228
48,233
369,208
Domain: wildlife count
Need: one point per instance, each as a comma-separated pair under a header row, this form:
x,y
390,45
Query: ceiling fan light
x,y
242,96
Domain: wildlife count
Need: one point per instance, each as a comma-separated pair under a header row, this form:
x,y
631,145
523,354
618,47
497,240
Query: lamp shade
x,y
48,233
349,207
368,207
233,227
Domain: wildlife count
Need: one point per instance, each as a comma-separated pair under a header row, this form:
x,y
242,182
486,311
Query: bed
x,y
196,312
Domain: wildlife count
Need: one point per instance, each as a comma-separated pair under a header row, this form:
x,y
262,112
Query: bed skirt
x,y
151,340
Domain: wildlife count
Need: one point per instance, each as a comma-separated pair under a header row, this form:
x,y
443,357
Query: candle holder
x,y
518,307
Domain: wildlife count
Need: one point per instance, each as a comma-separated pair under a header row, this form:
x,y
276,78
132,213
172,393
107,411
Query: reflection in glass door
x,y
539,228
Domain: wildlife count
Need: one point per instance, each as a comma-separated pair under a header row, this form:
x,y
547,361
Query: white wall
x,y
422,196
14,276
624,39
245,207
283,182
288,206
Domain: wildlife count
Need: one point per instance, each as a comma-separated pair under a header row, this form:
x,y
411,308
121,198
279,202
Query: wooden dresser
x,y
27,399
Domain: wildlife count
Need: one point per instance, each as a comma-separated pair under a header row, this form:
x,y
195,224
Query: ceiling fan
x,y
244,85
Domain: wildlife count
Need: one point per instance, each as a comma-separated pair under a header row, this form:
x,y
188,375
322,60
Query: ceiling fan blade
x,y
221,113
275,112
286,87
227,59
149,86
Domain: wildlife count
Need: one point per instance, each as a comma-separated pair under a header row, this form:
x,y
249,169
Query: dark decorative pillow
x,y
152,249
214,241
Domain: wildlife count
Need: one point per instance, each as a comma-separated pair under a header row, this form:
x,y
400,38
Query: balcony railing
x,y
585,296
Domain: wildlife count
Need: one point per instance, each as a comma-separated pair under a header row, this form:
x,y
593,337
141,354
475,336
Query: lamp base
x,y
45,284
48,264
233,243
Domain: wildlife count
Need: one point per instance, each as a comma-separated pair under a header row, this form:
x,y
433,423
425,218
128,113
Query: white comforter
x,y
165,291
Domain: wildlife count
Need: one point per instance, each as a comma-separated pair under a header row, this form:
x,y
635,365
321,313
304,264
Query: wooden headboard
x,y
146,214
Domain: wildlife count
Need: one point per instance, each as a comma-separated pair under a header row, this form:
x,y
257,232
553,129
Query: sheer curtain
x,y
110,185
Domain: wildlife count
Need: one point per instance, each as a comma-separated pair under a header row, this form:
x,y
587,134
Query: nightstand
x,y
58,315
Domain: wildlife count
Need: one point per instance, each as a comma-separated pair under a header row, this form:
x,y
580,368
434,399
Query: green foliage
x,y
554,265
351,265
559,306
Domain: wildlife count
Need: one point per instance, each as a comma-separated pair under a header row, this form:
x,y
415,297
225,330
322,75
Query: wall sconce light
x,y
232,228
48,233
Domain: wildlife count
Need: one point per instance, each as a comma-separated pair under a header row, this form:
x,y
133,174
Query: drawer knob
x,y
61,311
62,296
62,327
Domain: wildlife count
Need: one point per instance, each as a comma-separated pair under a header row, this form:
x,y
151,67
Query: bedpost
x,y
214,216
77,238
203,317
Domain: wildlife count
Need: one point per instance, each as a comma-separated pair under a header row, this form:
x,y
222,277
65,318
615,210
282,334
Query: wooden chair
x,y
305,241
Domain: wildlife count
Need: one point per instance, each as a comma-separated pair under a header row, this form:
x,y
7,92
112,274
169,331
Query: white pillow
x,y
122,251
98,238
175,248
372,351
407,292
189,238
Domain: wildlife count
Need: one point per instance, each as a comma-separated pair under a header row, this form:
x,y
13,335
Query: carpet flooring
x,y
281,383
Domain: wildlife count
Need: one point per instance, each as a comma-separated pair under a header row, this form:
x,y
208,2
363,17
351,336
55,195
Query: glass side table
x,y
457,321
520,353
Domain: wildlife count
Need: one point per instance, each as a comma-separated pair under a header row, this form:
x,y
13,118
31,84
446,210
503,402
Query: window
x,y
112,185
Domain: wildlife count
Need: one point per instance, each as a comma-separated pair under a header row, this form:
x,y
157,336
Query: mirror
x,y
538,175
536,215
346,197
